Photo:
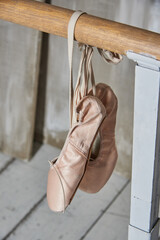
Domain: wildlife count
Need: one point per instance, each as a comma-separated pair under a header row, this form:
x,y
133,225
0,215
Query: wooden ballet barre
x,y
90,29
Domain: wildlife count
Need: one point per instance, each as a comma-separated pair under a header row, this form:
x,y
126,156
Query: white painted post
x,y
144,222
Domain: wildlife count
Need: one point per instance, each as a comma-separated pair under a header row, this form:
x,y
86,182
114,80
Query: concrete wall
x,y
19,70
18,84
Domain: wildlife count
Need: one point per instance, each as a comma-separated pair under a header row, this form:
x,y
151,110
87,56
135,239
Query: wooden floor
x,y
24,213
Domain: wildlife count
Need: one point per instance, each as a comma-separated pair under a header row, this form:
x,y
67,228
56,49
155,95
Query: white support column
x,y
144,222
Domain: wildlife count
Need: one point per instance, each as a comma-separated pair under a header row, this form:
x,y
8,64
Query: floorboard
x,y
113,225
83,212
22,186
5,160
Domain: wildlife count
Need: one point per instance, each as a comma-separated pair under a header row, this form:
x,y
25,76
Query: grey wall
x,y
19,65
19,68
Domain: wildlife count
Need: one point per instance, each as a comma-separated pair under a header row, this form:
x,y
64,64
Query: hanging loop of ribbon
x,y
110,57
85,72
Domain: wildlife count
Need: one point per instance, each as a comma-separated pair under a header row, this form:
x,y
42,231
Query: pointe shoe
x,y
100,167
67,171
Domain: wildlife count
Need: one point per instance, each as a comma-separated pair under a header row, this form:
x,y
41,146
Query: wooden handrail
x,y
89,29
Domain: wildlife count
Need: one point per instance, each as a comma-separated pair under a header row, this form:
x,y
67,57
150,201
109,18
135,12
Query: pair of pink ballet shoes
x,y
77,165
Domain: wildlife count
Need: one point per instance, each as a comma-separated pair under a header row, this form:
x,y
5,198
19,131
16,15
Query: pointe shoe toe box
x,y
55,194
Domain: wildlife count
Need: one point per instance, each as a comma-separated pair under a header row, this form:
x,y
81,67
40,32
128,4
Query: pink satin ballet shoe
x,y
100,167
67,171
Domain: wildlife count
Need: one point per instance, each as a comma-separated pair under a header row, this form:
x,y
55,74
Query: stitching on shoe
x,y
77,148
93,98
